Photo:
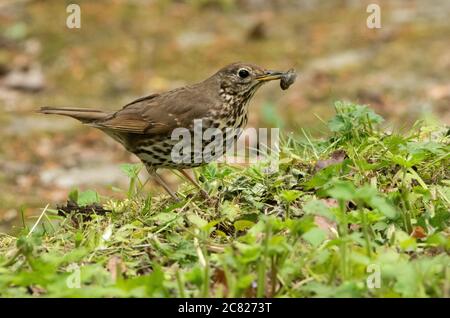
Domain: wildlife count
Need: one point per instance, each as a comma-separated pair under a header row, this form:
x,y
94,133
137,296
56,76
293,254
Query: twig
x,y
38,220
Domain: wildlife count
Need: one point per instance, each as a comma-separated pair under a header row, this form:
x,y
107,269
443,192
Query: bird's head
x,y
244,78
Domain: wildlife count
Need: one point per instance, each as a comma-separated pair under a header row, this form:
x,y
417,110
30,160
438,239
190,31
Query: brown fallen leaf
x,y
219,277
336,157
324,223
330,227
418,232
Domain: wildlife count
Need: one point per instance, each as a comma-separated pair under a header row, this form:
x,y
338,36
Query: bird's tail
x,y
85,115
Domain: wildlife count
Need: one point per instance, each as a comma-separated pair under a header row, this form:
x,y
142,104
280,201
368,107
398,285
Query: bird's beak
x,y
269,76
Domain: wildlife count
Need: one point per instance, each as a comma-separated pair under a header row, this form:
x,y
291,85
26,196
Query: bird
x,y
146,125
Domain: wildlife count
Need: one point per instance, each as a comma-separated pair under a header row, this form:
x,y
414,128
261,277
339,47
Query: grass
x,y
363,213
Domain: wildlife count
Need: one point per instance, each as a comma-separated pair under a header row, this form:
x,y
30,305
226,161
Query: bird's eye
x,y
243,73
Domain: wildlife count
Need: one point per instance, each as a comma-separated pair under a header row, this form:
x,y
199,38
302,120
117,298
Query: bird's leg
x,y
162,183
195,183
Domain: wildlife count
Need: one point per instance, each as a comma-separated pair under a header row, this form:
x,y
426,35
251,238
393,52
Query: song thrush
x,y
145,126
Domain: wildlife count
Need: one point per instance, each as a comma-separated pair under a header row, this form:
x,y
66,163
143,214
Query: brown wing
x,y
161,113
129,120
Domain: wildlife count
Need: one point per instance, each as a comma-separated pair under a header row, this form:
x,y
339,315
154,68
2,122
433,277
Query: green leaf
x,y
277,244
249,253
324,176
230,210
25,245
366,192
131,170
290,195
342,190
315,236
242,225
87,197
338,124
317,207
441,219
382,205
428,146
195,276
196,220
438,239
245,281
352,117
73,195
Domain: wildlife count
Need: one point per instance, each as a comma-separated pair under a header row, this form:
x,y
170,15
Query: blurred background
x,y
127,49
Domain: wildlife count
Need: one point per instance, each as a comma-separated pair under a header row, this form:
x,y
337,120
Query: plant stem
x,y
273,277
180,285
406,208
206,281
343,245
260,292
365,230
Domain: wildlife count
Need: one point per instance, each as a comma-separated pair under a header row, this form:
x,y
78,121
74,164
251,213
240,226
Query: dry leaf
x,y
418,232
327,225
336,157
219,281
116,267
